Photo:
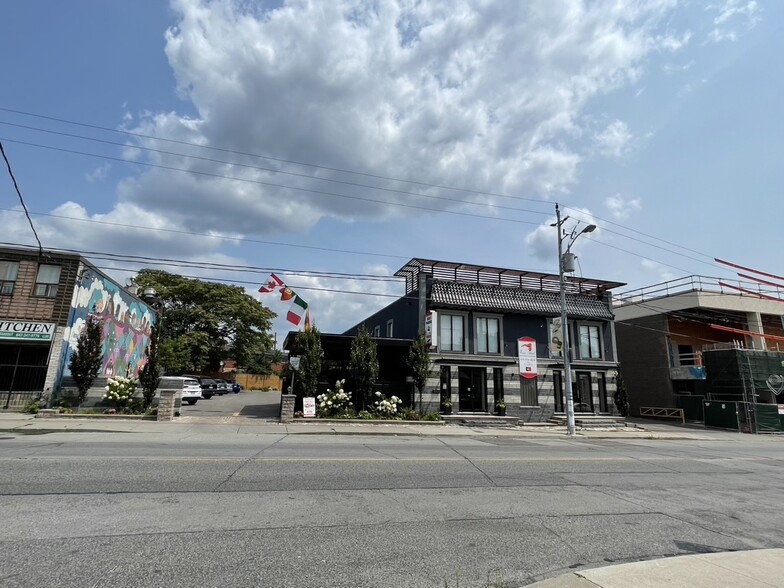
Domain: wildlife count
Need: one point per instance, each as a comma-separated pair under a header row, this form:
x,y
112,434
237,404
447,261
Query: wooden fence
x,y
256,382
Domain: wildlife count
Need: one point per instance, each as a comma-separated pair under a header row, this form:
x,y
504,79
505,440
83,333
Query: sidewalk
x,y
761,568
227,425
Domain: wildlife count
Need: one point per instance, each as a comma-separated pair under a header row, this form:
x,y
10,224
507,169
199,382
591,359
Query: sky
x,y
333,141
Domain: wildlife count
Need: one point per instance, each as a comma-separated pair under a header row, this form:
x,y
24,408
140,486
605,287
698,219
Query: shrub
x,y
121,391
409,414
432,416
366,415
65,410
386,407
34,406
333,403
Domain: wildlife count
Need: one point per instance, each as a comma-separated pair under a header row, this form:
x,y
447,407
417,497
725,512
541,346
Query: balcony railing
x,y
697,284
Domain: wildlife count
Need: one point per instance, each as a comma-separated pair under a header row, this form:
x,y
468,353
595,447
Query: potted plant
x,y
500,407
446,405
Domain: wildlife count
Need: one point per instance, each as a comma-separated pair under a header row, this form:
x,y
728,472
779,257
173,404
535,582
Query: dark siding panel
x,y
402,311
645,364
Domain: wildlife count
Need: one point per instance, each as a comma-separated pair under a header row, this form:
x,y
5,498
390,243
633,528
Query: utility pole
x,y
566,349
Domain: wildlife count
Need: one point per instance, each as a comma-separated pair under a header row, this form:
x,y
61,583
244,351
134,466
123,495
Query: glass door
x,y
472,382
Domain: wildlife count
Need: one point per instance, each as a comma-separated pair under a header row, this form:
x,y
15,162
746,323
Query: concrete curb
x,y
760,567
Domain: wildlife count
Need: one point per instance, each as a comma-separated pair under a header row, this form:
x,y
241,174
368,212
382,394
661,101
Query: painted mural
x,y
126,324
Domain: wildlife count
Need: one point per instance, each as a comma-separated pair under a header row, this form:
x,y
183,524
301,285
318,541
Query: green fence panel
x,y
767,418
721,414
692,406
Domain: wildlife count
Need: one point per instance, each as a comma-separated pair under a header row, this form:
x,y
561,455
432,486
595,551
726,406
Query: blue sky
x,y
660,121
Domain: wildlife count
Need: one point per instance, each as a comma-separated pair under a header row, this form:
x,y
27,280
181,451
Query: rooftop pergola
x,y
497,276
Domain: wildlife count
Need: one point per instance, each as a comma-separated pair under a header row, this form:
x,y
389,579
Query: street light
x,y
563,258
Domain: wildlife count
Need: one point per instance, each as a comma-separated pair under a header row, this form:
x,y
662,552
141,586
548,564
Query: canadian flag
x,y
271,285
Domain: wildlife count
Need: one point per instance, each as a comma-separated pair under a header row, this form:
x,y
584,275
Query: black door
x,y
583,401
473,388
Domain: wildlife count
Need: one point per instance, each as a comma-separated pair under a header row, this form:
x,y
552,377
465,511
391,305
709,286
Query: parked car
x,y
190,387
208,385
223,387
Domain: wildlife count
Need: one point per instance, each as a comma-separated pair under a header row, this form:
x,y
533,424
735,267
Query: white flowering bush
x,y
120,390
334,403
387,407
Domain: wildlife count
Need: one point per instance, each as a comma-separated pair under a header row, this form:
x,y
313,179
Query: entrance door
x,y
473,388
583,401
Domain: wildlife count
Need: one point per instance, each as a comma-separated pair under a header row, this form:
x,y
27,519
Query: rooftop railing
x,y
698,284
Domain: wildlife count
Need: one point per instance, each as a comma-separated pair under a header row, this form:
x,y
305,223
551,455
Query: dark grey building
x,y
496,333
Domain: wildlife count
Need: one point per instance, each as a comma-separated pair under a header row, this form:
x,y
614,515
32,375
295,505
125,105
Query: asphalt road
x,y
85,509
251,404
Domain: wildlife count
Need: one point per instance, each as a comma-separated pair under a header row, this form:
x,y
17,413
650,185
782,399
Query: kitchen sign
x,y
526,354
24,331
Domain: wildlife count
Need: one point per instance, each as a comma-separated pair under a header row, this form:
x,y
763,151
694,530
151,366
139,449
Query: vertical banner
x,y
526,354
556,337
431,329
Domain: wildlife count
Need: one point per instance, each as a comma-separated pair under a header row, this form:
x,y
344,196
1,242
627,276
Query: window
x,y
8,272
590,342
452,332
488,335
47,280
390,324
377,331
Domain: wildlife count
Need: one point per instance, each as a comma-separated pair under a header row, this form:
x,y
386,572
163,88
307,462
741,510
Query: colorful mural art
x,y
126,324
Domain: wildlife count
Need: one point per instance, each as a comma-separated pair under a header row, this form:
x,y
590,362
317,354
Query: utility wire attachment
x,y
21,199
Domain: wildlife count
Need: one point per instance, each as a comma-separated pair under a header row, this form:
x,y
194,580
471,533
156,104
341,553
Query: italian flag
x,y
298,310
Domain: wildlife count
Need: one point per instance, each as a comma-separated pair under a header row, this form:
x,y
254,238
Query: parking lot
x,y
251,404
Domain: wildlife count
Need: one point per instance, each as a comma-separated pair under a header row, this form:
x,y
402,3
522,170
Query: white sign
x,y
526,355
294,363
26,331
431,329
556,337
309,406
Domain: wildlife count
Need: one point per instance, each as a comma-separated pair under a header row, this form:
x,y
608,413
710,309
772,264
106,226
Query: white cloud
x,y
99,174
662,273
484,97
615,140
621,208
542,242
673,68
732,14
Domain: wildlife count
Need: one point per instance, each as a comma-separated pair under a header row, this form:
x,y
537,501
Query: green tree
x,y
308,348
621,397
207,323
364,363
419,362
150,374
85,360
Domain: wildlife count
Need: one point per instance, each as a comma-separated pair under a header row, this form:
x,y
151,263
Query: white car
x,y
191,389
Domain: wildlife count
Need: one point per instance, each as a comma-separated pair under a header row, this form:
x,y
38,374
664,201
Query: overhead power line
x,y
21,199
341,170
270,184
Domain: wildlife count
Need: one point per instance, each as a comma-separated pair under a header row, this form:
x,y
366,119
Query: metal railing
x,y
696,284
664,413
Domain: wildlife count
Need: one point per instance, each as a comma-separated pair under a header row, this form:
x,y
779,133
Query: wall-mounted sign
x,y
24,331
431,329
556,337
309,406
526,354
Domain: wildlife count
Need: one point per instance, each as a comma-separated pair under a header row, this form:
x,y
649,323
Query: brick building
x,y
45,298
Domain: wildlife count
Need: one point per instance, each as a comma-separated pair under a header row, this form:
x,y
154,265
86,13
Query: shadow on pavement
x,y
261,411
